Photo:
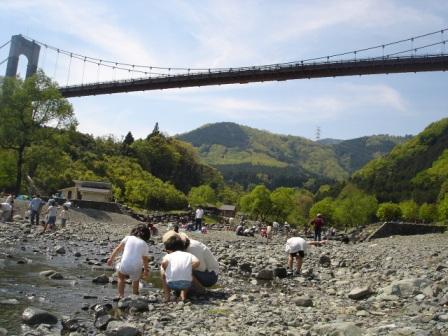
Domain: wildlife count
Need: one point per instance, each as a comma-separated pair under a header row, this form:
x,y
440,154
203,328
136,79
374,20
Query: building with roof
x,y
88,191
227,210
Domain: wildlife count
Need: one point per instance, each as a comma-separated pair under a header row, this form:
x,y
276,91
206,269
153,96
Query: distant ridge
x,y
249,156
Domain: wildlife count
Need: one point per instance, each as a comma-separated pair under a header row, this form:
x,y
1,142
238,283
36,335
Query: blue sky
x,y
240,33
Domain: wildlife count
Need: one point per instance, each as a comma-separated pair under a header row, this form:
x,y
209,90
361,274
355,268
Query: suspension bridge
x,y
86,76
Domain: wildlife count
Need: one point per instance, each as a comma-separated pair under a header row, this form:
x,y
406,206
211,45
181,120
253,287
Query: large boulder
x,y
33,316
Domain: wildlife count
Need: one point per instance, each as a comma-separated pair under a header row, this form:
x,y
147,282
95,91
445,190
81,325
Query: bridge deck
x,y
266,73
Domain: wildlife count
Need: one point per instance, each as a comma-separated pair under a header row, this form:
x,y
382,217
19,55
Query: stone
x,y
59,249
359,293
71,324
265,274
442,318
303,301
324,261
47,273
406,287
119,328
3,332
77,254
134,302
102,321
280,272
17,218
56,276
338,329
102,279
33,316
245,268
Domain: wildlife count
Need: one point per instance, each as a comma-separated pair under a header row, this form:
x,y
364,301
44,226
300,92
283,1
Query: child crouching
x,y
135,255
177,267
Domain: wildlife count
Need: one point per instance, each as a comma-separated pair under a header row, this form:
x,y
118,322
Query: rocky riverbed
x,y
392,286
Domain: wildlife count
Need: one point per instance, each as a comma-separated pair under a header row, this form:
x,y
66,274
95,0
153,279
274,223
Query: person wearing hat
x,y
318,223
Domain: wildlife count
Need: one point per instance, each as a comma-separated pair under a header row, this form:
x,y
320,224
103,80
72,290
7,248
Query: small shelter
x,y
227,210
88,191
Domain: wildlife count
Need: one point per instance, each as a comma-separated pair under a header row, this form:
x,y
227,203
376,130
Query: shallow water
x,y
22,282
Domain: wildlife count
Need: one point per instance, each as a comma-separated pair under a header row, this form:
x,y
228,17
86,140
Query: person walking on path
x,y
198,218
318,224
35,207
135,256
177,267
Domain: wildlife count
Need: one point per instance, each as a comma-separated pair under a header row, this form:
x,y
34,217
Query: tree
x,y
126,144
202,195
388,212
257,203
324,207
442,209
409,210
428,213
354,207
26,109
283,203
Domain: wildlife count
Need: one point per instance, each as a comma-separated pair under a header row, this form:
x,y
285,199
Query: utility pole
x,y
317,133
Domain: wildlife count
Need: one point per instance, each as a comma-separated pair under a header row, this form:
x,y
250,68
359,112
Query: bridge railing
x,y
270,67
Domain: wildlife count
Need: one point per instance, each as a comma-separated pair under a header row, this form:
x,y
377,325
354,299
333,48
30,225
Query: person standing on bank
x,y
198,218
318,224
35,207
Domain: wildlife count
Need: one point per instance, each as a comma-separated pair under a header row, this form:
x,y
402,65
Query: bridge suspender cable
x,y
5,44
128,66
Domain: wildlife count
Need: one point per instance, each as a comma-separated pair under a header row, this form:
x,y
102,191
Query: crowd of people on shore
x,y
189,265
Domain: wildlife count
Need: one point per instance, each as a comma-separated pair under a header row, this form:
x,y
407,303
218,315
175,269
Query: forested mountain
x,y
249,156
417,169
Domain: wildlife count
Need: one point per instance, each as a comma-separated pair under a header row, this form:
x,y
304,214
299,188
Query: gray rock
x,y
359,293
119,328
324,261
77,254
338,329
280,272
245,268
102,321
33,316
134,302
47,273
3,332
59,249
265,274
56,276
303,301
406,287
102,279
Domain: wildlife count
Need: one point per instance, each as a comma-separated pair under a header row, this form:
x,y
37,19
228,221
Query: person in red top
x,y
318,223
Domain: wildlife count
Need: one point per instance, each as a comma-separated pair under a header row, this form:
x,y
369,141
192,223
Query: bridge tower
x,y
22,46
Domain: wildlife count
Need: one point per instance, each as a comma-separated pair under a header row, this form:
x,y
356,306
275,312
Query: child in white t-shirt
x,y
135,256
177,267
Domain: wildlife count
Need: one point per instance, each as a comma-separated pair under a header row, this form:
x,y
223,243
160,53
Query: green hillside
x,y
417,169
246,155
